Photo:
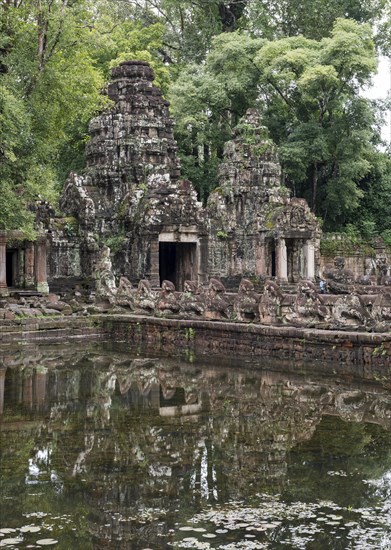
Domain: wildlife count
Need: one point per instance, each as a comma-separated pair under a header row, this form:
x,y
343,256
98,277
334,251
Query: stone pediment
x,y
166,202
294,217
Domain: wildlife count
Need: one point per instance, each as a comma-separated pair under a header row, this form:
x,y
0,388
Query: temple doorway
x,y
177,262
270,257
11,258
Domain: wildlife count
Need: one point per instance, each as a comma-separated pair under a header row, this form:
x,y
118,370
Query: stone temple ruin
x,y
130,220
131,195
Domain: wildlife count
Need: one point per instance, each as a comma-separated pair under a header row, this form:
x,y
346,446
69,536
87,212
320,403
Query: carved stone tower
x,y
130,195
255,228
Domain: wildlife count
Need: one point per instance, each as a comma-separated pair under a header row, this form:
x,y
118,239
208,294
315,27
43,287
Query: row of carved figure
x,y
306,308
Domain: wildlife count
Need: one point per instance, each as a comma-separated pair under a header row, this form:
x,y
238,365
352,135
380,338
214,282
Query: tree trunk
x,y
314,186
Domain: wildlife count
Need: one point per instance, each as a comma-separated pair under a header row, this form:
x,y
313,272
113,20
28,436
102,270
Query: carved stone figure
x,y
309,309
192,302
349,312
381,271
218,305
145,299
168,300
270,304
246,302
125,293
104,277
381,311
338,278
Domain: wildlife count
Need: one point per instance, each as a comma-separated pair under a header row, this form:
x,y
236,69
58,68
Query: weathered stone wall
x,y
348,352
255,229
362,260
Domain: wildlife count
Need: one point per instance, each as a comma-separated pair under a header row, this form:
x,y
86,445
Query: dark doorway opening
x,y
270,258
273,263
10,267
177,263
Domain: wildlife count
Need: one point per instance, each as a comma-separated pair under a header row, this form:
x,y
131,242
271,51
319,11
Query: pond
x,y
109,447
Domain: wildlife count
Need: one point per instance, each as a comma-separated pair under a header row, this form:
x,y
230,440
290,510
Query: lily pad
x,y
46,542
30,529
10,542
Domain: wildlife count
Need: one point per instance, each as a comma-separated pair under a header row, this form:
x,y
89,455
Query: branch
x,y
58,33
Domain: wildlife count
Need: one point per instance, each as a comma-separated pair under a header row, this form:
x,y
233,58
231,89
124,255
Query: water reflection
x,y
109,449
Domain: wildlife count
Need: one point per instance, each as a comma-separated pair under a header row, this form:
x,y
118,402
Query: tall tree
x,y
55,56
309,92
310,18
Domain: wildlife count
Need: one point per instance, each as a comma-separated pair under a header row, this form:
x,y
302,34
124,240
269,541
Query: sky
x,y
380,89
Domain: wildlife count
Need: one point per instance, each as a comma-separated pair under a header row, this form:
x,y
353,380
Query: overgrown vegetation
x,y
303,64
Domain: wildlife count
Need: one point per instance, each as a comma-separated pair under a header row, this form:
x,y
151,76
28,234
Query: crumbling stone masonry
x,y
132,199
255,228
130,196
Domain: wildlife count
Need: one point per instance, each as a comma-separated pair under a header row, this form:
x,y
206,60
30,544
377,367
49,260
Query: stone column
x,y
40,266
309,260
3,370
3,264
154,252
281,261
260,256
29,265
203,258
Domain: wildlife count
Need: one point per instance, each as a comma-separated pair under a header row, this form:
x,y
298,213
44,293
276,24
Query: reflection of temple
x,y
179,432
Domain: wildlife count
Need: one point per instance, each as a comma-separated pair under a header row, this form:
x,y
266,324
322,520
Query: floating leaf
x,y
30,529
10,542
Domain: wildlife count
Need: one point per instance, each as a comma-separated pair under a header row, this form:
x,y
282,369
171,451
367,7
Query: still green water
x,y
106,448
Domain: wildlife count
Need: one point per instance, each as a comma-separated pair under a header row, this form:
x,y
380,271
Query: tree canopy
x,y
303,64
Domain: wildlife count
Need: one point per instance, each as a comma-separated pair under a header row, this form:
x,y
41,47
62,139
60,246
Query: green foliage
x,y
208,101
309,93
116,243
20,176
223,235
373,217
55,57
295,60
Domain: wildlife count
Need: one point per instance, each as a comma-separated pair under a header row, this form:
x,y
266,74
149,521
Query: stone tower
x,y
130,196
255,228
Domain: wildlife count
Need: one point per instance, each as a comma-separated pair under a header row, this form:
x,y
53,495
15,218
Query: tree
x,y
208,101
55,58
373,217
309,92
313,19
190,25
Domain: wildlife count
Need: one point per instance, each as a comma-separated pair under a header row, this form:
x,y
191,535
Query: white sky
x,y
380,89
